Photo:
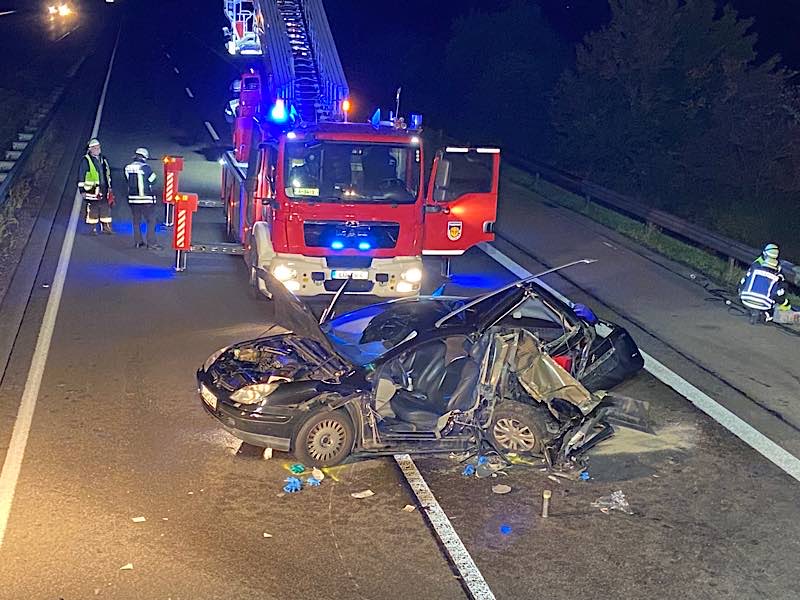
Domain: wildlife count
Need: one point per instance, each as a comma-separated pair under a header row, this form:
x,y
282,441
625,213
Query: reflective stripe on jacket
x,y
760,288
140,178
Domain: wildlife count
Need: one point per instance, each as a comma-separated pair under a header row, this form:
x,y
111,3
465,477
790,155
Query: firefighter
x,y
763,287
94,183
142,198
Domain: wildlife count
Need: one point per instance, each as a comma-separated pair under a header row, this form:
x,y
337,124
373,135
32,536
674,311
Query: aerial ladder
x,y
246,29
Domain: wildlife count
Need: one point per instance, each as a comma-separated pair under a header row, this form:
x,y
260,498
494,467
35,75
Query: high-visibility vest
x,y
757,290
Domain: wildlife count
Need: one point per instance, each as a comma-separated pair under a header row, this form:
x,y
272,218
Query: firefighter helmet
x,y
143,152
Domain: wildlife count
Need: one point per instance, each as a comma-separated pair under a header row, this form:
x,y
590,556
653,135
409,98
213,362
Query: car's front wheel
x,y
325,439
520,428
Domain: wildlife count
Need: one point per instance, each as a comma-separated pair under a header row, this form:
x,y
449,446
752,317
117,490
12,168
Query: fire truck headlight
x,y
292,285
413,275
404,287
253,394
283,273
52,10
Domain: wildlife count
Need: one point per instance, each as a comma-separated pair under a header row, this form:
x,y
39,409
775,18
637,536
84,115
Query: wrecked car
x,y
516,369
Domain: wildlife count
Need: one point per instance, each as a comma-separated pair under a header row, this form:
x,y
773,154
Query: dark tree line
x,y
668,102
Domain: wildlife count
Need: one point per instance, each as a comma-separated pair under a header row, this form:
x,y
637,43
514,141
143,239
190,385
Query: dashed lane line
x,y
22,425
751,436
471,576
189,92
211,131
177,71
7,12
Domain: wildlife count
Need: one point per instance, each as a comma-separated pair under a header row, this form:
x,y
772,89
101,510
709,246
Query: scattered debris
x,y
45,285
293,485
546,495
128,567
501,488
267,454
297,468
96,591
614,501
313,481
584,476
164,519
362,495
138,519
317,474
469,470
461,456
191,493
409,508
553,478
267,535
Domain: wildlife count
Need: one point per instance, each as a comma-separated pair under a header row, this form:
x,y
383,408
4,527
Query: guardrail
x,y
14,158
734,251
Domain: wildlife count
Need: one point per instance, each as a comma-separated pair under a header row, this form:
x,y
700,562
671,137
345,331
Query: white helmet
x,y
143,153
93,142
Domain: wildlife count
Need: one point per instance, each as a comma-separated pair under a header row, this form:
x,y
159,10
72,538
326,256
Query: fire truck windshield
x,y
351,172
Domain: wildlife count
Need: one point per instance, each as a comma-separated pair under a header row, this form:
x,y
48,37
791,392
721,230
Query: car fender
x,y
263,250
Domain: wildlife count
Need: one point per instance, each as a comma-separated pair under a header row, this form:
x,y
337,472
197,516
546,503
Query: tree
x,y
669,103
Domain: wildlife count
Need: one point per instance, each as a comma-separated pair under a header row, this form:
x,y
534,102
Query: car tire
x,y
325,439
520,428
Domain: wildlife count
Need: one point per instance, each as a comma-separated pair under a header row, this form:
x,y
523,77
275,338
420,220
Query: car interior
x,y
421,385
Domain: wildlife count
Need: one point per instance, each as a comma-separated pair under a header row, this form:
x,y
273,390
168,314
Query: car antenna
x,y
471,303
326,314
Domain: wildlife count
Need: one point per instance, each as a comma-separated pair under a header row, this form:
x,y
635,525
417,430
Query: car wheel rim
x,y
326,440
514,436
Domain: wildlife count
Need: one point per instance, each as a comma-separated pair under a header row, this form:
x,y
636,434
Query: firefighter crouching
x,y
763,288
94,183
142,198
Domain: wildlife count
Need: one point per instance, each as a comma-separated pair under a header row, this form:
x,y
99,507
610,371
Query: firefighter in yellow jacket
x,y
94,182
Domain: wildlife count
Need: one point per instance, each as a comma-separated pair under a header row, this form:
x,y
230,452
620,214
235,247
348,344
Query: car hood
x,y
293,314
279,358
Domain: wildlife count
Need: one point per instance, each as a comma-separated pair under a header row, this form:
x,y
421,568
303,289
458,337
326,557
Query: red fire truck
x,y
318,201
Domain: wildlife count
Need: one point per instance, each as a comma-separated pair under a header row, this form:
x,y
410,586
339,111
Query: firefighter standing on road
x,y
94,182
142,198
763,288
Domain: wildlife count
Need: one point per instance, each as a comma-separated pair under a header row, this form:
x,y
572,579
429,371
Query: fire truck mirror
x,y
442,181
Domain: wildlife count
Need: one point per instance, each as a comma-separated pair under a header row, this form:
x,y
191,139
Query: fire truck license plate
x,y
208,397
337,274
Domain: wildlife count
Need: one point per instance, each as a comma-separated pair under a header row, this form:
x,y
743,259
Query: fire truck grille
x,y
340,235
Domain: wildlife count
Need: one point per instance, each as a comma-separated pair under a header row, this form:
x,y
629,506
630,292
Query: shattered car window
x,y
366,334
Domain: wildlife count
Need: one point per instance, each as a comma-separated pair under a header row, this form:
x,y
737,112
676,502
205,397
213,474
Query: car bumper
x,y
268,430
383,278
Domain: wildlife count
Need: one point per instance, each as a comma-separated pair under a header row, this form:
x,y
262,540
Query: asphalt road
x,y
119,433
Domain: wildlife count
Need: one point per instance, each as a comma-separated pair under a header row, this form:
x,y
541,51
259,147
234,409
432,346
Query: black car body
x,y
515,368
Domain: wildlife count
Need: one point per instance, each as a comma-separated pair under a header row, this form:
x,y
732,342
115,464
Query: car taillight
x,y
565,362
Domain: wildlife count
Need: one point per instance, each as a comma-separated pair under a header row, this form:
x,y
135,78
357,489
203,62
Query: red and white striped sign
x,y
185,206
170,187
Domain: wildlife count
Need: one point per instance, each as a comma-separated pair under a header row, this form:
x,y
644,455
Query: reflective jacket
x,y
94,177
140,178
762,287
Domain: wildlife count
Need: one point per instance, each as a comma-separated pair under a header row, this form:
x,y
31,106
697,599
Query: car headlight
x,y
253,394
212,359
414,275
284,273
64,10
52,10
404,287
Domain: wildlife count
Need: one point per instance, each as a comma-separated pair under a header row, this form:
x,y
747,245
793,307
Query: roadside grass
x,y
710,265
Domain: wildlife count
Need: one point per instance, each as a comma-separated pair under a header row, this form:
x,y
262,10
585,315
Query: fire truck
x,y
318,201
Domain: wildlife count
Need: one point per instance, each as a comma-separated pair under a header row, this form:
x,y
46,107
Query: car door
x,y
461,201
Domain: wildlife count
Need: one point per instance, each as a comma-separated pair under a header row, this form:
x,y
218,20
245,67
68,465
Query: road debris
x,y
318,474
614,501
297,468
267,535
469,470
501,488
546,495
128,567
553,478
267,454
409,508
293,485
362,495
138,519
313,481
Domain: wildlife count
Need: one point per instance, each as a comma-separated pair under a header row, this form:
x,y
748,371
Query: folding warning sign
x,y
173,165
185,206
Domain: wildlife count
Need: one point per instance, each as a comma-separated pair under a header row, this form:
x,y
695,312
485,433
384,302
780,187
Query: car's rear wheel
x,y
325,439
519,428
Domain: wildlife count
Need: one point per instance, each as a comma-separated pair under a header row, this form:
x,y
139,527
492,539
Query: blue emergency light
x,y
364,246
279,114
337,245
416,121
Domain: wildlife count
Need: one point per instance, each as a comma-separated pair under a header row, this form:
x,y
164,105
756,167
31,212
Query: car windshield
x,y
366,334
347,172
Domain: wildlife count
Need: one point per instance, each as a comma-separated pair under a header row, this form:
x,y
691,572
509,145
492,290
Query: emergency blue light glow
x,y
337,245
364,245
279,114
416,121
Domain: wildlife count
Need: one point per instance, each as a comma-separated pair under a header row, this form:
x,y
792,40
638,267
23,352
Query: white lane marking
x,y
168,55
212,132
460,557
22,425
177,72
189,92
751,436
7,12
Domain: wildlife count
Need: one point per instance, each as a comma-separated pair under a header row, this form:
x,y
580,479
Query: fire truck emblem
x,y
454,229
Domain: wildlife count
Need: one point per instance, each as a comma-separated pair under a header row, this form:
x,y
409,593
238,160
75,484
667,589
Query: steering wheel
x,y
391,182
